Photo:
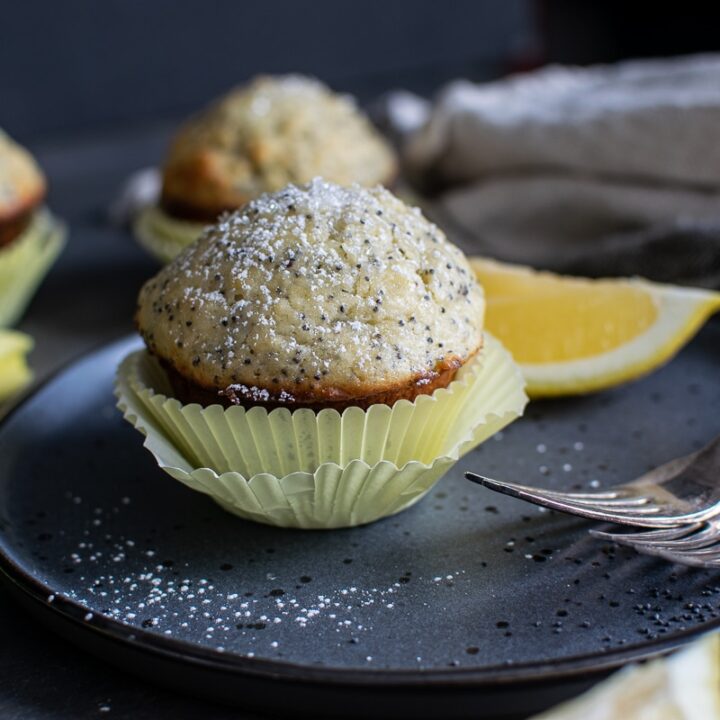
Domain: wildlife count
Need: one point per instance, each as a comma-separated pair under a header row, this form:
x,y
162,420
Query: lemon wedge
x,y
14,371
685,686
573,335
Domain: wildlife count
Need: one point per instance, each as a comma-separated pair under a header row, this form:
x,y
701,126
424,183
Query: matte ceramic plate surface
x,y
468,604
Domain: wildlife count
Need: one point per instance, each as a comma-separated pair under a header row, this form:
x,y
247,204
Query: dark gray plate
x,y
468,604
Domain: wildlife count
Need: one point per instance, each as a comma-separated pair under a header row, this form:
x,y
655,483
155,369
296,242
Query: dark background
x,y
77,65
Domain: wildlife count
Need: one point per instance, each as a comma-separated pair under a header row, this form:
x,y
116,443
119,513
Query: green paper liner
x,y
15,373
320,470
163,236
25,262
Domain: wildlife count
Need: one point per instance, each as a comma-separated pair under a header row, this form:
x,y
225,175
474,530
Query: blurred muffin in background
x,y
257,139
22,189
30,238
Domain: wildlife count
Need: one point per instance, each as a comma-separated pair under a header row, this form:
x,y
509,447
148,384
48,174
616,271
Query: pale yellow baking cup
x,y
320,470
163,236
15,373
26,261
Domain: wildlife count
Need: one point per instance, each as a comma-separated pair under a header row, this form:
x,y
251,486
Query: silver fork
x,y
697,544
682,492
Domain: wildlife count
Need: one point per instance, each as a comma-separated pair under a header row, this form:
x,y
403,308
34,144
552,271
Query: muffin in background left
x,y
30,241
255,139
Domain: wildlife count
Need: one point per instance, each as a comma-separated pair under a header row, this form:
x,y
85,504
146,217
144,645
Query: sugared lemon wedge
x,y
14,370
573,335
685,686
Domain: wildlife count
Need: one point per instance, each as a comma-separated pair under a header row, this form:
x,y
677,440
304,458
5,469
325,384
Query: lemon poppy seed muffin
x,y
314,296
22,189
261,137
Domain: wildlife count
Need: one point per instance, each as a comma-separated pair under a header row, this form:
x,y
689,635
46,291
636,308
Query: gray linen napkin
x,y
610,170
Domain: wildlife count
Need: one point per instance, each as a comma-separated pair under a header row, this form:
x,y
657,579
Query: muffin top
x,y
259,138
22,184
315,293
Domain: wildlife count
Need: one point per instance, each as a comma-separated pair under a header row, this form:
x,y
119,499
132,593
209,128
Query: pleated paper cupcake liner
x,y
321,470
25,262
163,236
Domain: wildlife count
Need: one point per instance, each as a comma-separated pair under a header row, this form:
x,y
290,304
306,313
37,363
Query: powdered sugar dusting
x,y
314,287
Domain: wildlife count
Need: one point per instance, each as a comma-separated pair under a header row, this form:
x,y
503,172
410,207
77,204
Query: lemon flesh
x,y
574,335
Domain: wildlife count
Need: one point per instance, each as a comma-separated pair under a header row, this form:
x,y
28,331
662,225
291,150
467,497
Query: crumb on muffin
x,y
22,188
263,136
312,296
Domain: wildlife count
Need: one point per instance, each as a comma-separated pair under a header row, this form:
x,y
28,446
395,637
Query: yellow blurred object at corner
x,y
685,686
